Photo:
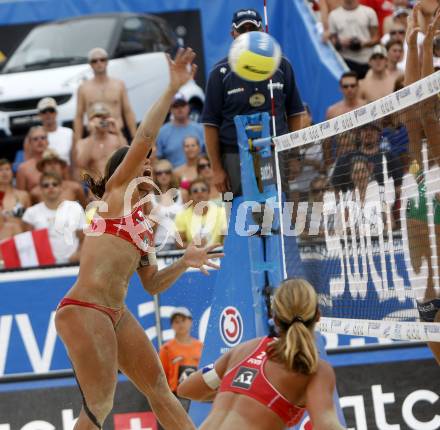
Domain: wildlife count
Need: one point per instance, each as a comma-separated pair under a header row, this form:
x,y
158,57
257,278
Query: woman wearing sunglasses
x,y
204,171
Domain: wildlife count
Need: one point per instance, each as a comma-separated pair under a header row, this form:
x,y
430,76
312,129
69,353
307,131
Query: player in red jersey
x,y
268,383
100,334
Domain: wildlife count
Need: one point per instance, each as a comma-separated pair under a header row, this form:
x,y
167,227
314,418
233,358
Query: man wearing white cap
x,y
103,88
60,138
378,82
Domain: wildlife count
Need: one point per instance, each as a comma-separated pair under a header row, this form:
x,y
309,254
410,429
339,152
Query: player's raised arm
x,y
181,71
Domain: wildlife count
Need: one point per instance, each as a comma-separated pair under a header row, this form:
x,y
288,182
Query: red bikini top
x,y
248,378
134,228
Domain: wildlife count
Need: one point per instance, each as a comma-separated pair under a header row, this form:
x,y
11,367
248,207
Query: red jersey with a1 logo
x,y
248,378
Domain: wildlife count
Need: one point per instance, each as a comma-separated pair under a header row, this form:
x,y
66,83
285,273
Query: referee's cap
x,y
244,16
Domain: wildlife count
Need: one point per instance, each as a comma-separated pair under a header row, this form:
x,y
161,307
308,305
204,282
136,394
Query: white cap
x,y
379,50
47,103
180,311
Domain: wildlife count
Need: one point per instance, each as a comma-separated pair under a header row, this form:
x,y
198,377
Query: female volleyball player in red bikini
x,y
268,383
423,122
100,334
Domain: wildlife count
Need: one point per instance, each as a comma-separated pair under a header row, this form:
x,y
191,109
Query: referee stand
x,y
254,260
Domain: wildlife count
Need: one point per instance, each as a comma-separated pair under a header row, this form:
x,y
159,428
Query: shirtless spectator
x,y
35,144
395,56
349,85
70,190
102,88
378,82
64,219
92,153
354,31
60,138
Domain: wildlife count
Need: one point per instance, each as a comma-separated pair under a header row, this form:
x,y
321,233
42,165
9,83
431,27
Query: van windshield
x,y
61,44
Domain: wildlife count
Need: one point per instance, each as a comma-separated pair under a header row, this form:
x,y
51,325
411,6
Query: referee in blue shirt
x,y
228,95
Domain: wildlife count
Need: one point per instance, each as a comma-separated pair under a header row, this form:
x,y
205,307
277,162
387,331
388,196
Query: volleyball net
x,y
361,205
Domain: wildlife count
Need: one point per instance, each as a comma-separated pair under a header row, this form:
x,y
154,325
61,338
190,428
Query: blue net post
x,y
258,180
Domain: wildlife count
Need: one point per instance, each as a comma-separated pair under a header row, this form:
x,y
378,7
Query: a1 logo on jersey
x,y
231,326
244,377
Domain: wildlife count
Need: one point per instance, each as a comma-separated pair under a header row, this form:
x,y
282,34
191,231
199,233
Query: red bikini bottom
x,y
115,314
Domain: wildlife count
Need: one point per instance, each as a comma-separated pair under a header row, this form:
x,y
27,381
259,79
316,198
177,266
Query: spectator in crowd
x,y
369,147
378,82
314,225
70,190
64,219
397,34
8,227
349,85
172,134
364,201
398,7
60,138
395,138
383,9
227,95
204,171
167,203
203,221
13,202
351,99
310,159
180,356
104,89
92,153
35,144
188,172
395,56
354,31
325,7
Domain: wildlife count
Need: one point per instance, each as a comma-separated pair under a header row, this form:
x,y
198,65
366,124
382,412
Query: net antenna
x,y
277,167
372,267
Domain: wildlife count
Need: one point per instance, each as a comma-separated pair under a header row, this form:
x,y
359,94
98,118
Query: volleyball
x,y
254,56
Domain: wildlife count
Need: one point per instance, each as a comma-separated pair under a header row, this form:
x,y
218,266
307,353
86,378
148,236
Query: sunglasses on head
x,y
50,184
162,172
393,32
48,110
345,86
98,60
199,190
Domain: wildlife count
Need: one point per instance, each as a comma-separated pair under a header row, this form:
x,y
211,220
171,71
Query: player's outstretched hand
x,y
182,68
199,257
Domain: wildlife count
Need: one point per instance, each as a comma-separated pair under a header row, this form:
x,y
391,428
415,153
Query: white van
x,y
52,61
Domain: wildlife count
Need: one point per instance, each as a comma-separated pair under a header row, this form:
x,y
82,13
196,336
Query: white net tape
x,y
374,254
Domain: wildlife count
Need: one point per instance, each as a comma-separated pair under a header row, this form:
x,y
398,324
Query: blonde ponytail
x,y
295,312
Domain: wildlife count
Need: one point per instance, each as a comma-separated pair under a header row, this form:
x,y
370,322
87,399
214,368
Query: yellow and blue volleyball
x,y
254,56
